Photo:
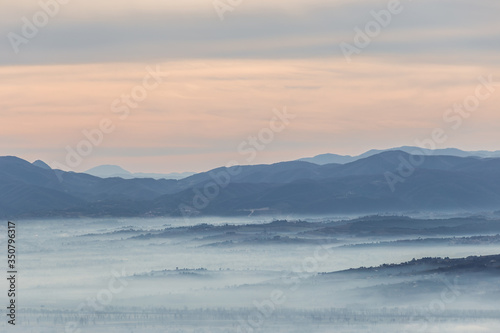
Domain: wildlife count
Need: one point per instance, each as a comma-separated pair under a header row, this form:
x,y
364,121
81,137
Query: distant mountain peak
x,y
41,164
107,170
110,171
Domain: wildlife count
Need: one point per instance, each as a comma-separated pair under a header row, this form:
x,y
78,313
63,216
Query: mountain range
x,y
342,159
110,171
389,181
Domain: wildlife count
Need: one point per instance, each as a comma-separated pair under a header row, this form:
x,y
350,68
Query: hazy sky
x,y
222,81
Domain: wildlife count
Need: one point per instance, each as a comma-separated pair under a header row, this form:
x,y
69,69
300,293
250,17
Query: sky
x,y
171,86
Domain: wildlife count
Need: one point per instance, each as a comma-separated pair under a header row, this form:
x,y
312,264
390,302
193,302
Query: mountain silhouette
x,y
390,181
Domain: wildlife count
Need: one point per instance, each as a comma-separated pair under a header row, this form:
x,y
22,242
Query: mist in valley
x,y
380,273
